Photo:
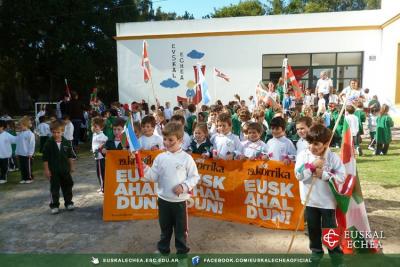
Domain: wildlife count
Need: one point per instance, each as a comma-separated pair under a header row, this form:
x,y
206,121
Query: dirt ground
x,y
26,224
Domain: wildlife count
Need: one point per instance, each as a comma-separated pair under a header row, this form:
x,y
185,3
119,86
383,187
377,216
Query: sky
x,y
198,8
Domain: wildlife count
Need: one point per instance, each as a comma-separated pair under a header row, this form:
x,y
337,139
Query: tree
x,y
245,8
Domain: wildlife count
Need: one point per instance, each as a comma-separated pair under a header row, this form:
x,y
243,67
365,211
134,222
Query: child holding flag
x,y
318,162
176,174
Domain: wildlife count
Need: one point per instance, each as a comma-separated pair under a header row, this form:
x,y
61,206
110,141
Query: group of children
x,y
282,132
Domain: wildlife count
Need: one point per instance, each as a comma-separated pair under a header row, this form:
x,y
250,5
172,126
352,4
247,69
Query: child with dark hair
x,y
383,135
303,125
201,143
254,147
191,118
43,131
98,141
318,162
115,143
280,147
149,140
6,140
226,144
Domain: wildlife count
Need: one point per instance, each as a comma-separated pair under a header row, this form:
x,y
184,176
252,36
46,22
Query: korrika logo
x,y
330,237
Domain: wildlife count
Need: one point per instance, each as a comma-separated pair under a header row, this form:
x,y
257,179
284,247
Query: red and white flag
x,y
292,79
220,74
146,63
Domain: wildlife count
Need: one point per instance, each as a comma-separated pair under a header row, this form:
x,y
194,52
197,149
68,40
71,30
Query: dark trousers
x,y
100,170
42,140
77,131
381,148
3,168
13,163
317,219
65,182
25,166
173,217
326,97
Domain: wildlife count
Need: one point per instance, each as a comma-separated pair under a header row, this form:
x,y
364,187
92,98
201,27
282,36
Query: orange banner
x,y
252,192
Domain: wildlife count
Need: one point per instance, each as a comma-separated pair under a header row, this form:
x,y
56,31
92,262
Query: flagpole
x,y
215,88
313,182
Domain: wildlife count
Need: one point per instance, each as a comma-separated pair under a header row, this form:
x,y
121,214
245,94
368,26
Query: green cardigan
x,y
383,131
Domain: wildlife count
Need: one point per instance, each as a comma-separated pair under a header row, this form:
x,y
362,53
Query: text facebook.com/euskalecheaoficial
x,y
254,260
206,260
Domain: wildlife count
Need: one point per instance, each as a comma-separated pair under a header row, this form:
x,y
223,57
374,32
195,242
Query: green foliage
x,y
244,8
46,41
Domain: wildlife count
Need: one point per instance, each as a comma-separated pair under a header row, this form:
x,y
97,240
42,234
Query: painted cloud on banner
x,y
195,54
169,83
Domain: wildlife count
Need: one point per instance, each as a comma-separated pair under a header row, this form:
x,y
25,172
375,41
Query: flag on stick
x,y
129,137
351,214
146,63
67,91
205,95
292,79
220,74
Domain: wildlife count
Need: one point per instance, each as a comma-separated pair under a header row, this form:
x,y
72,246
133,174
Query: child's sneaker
x,y
70,207
3,181
29,181
22,182
98,190
371,148
55,211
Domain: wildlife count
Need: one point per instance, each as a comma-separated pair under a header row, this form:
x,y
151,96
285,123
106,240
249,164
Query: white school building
x,y
355,44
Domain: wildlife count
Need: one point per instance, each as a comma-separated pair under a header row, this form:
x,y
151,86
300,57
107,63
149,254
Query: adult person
x,y
74,109
271,93
324,86
352,92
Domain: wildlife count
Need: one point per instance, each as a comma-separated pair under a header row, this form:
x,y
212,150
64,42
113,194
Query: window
x,y
341,67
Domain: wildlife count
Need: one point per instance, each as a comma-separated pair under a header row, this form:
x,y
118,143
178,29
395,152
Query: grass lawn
x,y
384,170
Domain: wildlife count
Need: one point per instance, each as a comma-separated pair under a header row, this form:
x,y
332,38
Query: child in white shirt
x,y
25,150
253,147
226,144
318,162
303,125
43,130
176,175
69,133
280,147
6,140
321,104
149,140
98,141
352,120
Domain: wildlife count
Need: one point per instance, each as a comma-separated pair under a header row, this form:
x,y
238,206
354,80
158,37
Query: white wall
x,y
238,56
390,41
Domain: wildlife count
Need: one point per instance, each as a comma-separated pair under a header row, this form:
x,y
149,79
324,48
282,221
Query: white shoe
x,y
98,190
3,181
371,148
22,182
29,181
55,211
70,207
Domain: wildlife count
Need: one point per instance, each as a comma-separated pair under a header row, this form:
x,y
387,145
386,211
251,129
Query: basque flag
x,y
146,63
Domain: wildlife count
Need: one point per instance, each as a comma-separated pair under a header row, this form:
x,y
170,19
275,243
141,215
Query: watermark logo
x,y
330,237
195,260
95,261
